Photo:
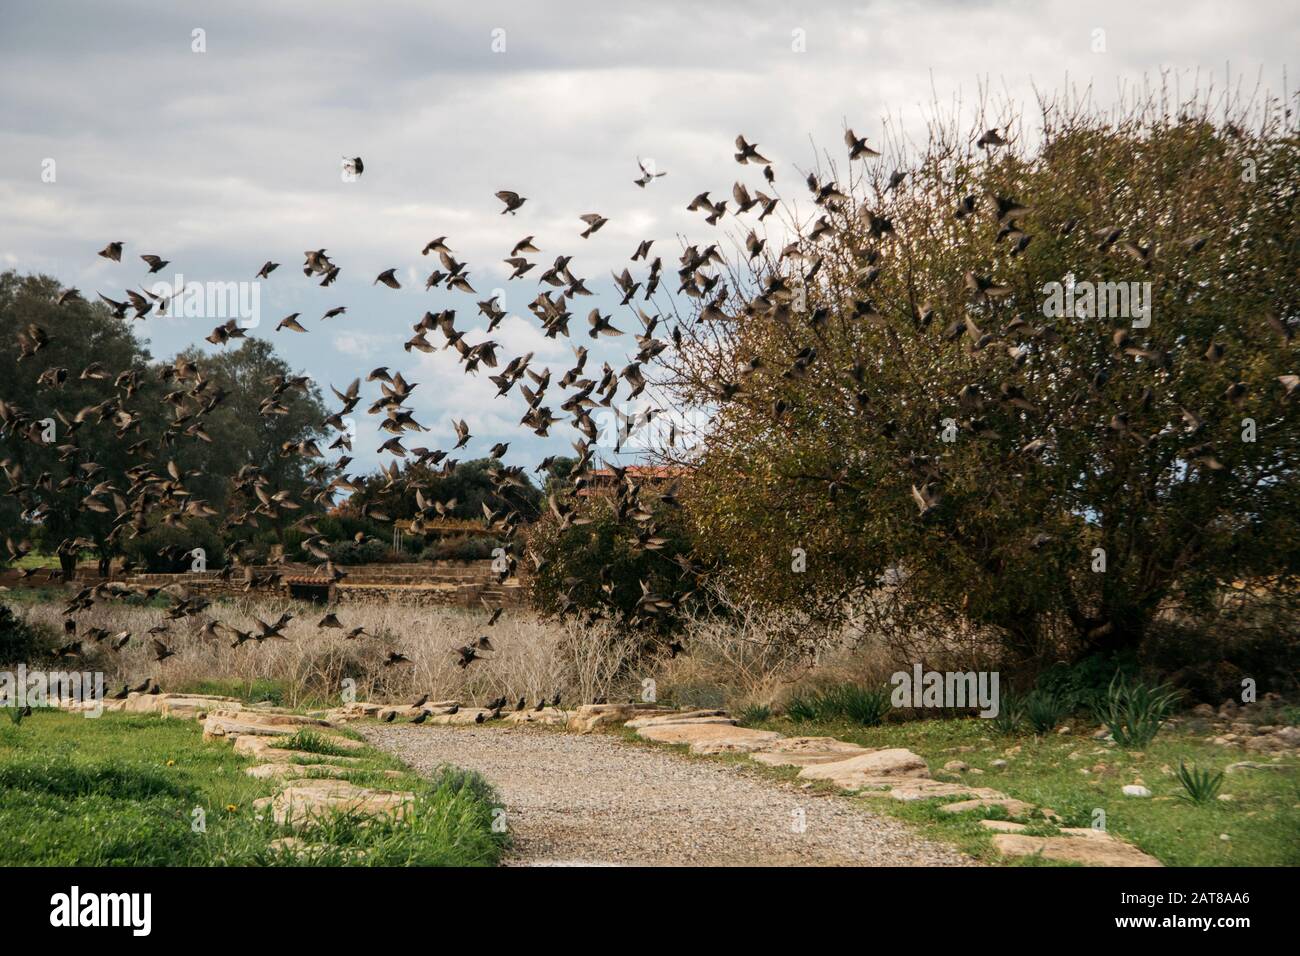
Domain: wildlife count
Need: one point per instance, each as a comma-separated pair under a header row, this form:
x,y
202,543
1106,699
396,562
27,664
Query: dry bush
x,y
752,654
531,657
742,653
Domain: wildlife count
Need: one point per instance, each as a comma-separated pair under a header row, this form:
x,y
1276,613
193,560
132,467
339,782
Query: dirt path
x,y
596,800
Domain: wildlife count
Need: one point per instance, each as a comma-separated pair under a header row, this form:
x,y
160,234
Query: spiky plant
x,y
1133,711
1199,786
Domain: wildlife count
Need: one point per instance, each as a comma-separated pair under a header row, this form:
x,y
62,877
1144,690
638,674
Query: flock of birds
x,y
490,710
157,486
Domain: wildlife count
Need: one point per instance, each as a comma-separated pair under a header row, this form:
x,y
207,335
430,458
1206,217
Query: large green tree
x,y
897,396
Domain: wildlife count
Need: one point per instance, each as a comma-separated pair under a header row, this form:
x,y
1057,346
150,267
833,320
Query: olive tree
x,y
1034,389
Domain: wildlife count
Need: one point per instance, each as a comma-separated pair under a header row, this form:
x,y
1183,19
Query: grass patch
x,y
1262,820
122,790
250,691
39,559
309,741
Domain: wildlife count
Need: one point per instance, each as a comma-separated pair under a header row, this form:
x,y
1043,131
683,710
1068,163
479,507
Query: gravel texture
x,y
598,800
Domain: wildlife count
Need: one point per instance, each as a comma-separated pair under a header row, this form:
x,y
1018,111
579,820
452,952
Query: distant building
x,y
605,481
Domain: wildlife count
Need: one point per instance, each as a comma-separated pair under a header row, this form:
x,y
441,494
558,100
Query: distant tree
x,y
245,435
109,410
86,350
469,486
558,476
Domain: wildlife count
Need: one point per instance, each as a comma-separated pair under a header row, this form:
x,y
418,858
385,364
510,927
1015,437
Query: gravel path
x,y
597,800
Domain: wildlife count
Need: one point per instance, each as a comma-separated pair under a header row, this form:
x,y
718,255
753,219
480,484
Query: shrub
x,y
1133,711
165,550
755,714
598,564
1255,637
20,642
862,705
466,549
370,551
1085,682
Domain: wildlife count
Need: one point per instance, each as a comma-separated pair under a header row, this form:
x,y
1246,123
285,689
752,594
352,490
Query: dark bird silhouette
x,y
748,152
511,199
858,147
594,221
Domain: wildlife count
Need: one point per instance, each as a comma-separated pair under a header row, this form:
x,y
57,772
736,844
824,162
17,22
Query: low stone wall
x,y
439,584
432,584
509,595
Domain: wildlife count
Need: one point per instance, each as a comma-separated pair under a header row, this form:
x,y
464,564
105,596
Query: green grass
x,y
42,594
262,690
121,790
312,742
249,691
1262,820
38,559
55,593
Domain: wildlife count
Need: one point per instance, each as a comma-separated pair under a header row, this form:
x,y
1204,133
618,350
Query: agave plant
x,y
1046,707
1011,714
852,702
1199,786
802,708
1133,711
861,705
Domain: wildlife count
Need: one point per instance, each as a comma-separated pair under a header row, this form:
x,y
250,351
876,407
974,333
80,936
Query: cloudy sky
x,y
222,157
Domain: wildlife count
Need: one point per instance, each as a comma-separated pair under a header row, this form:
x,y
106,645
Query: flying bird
x,y
594,221
511,199
858,148
748,152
